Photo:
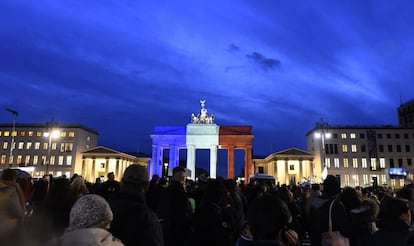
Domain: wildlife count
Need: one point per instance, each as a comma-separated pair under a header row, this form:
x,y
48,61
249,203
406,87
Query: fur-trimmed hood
x,y
366,213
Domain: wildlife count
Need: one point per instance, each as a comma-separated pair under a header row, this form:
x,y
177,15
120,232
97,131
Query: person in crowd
x,y
174,209
90,218
239,205
78,187
407,193
394,225
134,222
362,214
319,212
267,218
214,220
296,223
96,188
12,206
110,187
154,192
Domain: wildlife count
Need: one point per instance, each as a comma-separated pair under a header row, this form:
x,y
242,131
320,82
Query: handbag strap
x,y
330,215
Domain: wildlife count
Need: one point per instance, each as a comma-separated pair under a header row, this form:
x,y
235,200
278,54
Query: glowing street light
x,y
52,133
323,134
166,169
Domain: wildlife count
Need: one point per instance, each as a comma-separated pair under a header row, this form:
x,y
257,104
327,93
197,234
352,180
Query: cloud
x,y
233,48
263,62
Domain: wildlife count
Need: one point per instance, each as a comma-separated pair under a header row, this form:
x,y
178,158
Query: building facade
x,y
406,114
363,155
45,148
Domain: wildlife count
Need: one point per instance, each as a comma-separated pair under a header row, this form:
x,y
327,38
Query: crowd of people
x,y
178,211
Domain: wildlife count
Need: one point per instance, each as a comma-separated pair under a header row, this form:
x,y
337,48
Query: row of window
x,y
35,160
63,147
364,163
353,180
34,133
333,148
379,135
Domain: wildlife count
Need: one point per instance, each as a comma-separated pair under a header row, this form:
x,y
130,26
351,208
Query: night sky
x,y
123,67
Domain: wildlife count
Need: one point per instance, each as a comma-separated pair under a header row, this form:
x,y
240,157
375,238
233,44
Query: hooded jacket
x,y
89,237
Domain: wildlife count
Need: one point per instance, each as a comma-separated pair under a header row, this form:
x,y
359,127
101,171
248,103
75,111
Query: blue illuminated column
x,y
173,156
156,165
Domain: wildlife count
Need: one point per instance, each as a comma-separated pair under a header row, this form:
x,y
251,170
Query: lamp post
x,y
15,113
51,133
323,133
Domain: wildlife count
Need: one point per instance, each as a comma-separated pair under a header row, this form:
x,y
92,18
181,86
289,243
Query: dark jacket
x,y
247,242
134,222
319,215
392,232
361,223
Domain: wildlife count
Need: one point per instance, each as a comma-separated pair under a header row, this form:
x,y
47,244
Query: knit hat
x,y
135,175
90,211
203,178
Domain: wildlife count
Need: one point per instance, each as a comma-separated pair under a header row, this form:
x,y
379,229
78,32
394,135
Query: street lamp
x,y
323,134
15,113
166,169
51,133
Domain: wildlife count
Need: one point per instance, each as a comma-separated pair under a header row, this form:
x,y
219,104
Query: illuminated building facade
x,y
363,155
36,151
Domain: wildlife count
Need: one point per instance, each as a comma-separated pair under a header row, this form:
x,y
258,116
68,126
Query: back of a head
x,y
179,174
135,176
351,198
9,174
331,186
393,208
90,211
267,216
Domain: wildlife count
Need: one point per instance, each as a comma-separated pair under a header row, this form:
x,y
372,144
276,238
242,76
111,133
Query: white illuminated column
x,y
52,133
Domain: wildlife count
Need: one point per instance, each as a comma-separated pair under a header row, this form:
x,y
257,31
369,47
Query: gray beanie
x,y
90,211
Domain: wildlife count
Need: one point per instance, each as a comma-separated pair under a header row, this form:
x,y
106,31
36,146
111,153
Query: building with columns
x,y
201,133
289,166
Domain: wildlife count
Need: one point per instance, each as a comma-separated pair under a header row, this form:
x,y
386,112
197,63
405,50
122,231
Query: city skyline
x,y
124,68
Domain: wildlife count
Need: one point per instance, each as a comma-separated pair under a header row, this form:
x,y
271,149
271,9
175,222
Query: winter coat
x,y
362,223
89,237
134,222
248,242
319,215
394,232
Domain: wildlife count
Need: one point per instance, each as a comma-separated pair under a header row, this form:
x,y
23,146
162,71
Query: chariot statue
x,y
202,117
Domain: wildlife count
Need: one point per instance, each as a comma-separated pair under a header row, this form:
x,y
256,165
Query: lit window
x,y
364,163
6,133
58,173
21,145
336,162
52,160
63,134
28,145
30,134
27,160
43,159
37,145
343,135
68,147
373,164
71,134
45,145
355,177
3,159
384,179
88,139
11,160
60,160
67,174
35,159
62,147
344,148
54,146
365,179
353,148
393,182
22,133
401,182
19,159
328,162
382,162
346,164
355,162
352,135
346,177
5,145
39,134
14,134
69,160
1,133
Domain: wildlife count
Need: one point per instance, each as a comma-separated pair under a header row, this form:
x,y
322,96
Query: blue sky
x,y
123,67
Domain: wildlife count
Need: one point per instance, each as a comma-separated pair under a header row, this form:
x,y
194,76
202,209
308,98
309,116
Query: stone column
x,y
156,165
173,156
230,162
300,170
213,161
106,167
84,169
287,180
248,164
117,169
191,160
93,177
275,171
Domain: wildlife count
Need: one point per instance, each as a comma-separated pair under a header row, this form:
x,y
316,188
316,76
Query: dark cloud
x,y
263,62
233,48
